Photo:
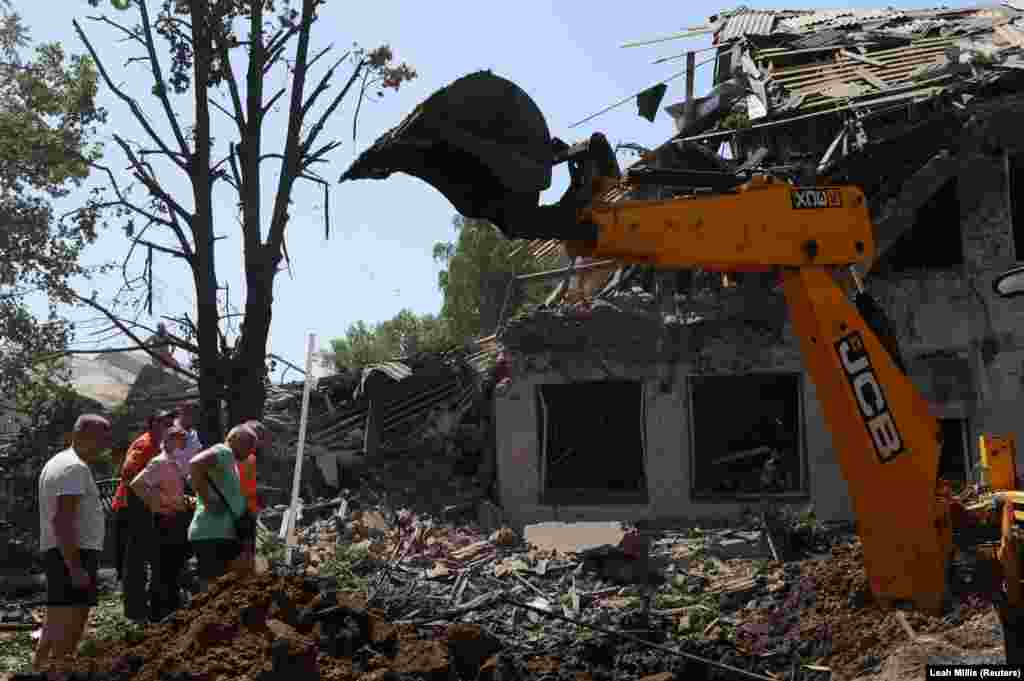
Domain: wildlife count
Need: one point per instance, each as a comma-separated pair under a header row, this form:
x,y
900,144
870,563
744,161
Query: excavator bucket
x,y
481,141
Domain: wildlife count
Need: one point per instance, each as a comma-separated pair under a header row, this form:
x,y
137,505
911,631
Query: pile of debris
x,y
420,599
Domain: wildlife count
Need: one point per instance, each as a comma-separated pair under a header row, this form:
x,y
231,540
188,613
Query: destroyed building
x,y
642,394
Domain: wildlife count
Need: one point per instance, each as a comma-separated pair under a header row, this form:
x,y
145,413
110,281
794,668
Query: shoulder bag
x,y
245,524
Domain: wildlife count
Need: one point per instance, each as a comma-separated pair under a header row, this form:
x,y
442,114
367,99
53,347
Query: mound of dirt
x,y
268,627
862,632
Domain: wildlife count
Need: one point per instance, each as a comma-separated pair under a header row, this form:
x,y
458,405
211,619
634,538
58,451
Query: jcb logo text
x,y
816,198
869,396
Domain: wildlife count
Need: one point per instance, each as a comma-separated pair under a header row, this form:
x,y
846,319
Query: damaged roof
x,y
891,88
795,62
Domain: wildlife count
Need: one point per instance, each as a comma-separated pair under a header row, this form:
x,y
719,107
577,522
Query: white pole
x,y
291,515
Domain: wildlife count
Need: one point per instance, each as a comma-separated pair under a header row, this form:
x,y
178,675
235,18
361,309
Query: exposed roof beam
x,y
897,216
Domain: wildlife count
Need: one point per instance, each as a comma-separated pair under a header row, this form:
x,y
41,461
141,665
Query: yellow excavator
x,y
484,144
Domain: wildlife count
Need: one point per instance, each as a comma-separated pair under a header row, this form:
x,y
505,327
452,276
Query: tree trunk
x,y
247,389
204,267
207,321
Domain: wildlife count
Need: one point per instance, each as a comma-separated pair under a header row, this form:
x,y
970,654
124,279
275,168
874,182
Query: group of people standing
x,y
175,498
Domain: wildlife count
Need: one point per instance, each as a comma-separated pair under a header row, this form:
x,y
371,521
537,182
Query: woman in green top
x,y
212,532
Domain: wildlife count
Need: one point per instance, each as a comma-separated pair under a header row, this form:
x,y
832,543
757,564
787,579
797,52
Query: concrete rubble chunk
x,y
573,537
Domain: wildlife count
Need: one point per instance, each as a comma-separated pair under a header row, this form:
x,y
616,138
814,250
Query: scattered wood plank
x,y
714,622
862,58
902,619
873,79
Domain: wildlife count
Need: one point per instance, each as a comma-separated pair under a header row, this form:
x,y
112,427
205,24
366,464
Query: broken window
x,y
935,240
592,442
746,435
953,461
1016,182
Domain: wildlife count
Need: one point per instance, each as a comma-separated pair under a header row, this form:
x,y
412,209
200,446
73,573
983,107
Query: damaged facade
x,y
640,394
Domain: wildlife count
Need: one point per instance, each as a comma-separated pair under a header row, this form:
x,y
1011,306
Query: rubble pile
x,y
271,627
422,599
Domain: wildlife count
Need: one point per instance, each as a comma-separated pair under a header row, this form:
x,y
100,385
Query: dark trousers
x,y
138,544
1013,630
172,554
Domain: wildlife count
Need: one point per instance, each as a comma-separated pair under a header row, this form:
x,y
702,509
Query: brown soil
x,y
236,631
857,633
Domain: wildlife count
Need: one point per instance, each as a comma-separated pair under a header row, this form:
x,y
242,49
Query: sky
x,y
566,55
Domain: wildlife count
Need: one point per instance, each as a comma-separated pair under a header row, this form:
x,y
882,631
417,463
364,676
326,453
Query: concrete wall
x,y
668,452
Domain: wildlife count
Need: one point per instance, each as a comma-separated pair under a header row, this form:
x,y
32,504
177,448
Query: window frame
x,y
802,494
580,496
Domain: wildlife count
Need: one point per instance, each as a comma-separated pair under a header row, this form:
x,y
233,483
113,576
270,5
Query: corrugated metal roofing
x,y
836,17
831,36
395,370
748,23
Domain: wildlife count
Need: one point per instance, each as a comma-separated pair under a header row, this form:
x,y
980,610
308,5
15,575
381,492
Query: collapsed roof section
x,y
876,98
780,64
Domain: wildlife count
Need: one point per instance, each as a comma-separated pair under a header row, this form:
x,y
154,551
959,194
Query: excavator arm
x,y
885,438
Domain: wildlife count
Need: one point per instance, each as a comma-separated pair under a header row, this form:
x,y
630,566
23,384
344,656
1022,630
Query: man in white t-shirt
x,y
71,534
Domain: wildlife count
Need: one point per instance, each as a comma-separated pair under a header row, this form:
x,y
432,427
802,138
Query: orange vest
x,y
247,478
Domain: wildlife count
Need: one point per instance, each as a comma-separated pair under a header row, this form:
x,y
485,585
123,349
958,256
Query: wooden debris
x,y
875,80
712,625
902,619
864,59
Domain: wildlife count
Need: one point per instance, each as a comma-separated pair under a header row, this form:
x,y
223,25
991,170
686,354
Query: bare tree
x,y
204,37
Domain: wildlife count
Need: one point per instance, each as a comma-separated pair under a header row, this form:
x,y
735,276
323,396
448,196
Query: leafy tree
x,y
48,119
227,57
406,333
359,347
480,253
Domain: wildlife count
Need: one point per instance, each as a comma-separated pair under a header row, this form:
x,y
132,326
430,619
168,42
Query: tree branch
x,y
317,156
279,39
144,174
325,82
136,110
272,101
132,35
219,107
315,131
122,200
236,97
250,189
276,46
128,256
293,144
319,55
158,77
164,249
232,156
135,339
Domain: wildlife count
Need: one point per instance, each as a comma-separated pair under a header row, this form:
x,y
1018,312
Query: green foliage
x,y
111,624
16,652
479,249
343,567
48,119
737,120
363,345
